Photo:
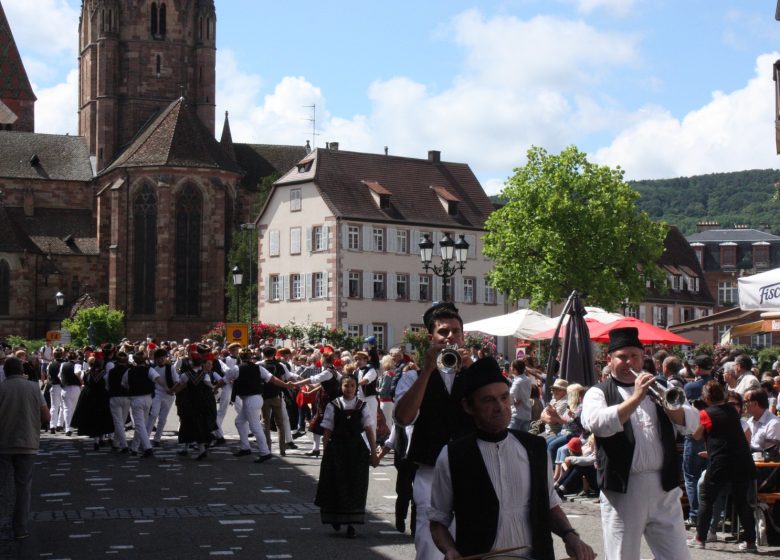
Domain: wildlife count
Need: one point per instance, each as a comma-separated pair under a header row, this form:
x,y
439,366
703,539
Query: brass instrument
x,y
449,359
671,398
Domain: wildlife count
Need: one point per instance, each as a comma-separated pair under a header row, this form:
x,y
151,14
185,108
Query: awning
x,y
733,315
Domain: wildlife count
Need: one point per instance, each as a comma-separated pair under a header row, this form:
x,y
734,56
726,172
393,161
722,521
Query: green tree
x,y
571,224
108,323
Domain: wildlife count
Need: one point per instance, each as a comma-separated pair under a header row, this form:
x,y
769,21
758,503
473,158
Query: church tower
x,y
135,58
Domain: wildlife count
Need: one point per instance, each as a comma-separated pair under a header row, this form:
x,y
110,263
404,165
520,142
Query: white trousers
x,y
139,411
387,410
373,406
644,510
286,422
70,397
421,492
248,419
161,406
224,401
120,408
57,416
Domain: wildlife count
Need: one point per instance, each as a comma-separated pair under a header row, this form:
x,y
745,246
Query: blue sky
x,y
660,87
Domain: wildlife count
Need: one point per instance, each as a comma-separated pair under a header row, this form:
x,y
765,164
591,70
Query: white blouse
x,y
328,421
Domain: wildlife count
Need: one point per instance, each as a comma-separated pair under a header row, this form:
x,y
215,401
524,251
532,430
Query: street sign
x,y
52,336
64,336
237,332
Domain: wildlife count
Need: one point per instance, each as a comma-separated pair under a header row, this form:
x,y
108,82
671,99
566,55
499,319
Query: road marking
x,y
221,553
278,555
95,507
247,530
274,491
55,494
79,536
293,517
237,521
144,521
274,541
121,547
393,497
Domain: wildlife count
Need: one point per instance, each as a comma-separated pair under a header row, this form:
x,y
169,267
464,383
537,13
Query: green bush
x,y
108,324
767,356
31,345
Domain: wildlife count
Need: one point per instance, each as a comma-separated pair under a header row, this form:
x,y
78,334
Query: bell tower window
x,y
158,20
154,19
162,18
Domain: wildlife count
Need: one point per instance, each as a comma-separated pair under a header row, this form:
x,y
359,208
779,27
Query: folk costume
x,y
248,386
70,382
93,412
638,467
139,380
343,482
118,401
196,407
328,380
368,392
54,385
163,399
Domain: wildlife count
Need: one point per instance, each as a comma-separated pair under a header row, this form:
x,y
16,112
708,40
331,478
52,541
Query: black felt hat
x,y
621,338
703,361
482,372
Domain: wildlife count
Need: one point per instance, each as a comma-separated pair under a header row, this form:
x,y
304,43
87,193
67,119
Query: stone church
x,y
137,211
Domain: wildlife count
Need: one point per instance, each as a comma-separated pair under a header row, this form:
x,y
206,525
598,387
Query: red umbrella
x,y
648,334
549,333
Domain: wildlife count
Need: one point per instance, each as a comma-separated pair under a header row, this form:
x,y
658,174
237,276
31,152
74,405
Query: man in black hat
x,y
638,466
431,400
497,484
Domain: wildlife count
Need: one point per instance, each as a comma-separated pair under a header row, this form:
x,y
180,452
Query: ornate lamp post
x,y
59,299
453,259
238,279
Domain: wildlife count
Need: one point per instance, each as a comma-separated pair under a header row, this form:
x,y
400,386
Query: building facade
x,y
339,235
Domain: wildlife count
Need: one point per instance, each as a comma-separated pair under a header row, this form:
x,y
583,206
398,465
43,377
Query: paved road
x,y
90,504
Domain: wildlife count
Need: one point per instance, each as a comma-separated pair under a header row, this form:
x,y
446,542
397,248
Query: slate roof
x,y
735,235
679,258
340,175
60,157
176,138
261,160
14,239
58,231
14,83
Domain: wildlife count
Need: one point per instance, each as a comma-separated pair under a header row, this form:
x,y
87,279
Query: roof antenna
x,y
313,121
385,150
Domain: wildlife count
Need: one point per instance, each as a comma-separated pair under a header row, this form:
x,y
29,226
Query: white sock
x,y
316,446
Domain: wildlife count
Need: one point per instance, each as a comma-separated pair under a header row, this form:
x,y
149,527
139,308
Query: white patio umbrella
x,y
760,292
521,323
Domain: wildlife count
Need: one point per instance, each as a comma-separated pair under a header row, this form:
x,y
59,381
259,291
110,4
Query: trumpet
x,y
449,359
671,399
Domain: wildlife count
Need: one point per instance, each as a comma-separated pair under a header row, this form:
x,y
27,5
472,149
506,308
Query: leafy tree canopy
x,y
108,324
571,224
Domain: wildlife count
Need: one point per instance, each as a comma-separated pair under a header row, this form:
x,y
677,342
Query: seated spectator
x,y
553,413
579,471
764,426
569,420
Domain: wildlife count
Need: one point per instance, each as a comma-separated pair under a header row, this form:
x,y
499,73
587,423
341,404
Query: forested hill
x,y
742,197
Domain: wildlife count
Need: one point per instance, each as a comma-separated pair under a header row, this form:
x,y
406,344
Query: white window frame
x,y
379,330
353,237
355,276
490,294
402,241
402,280
728,294
295,240
381,278
273,243
318,241
318,285
425,281
275,287
469,291
378,239
296,287
295,200
353,329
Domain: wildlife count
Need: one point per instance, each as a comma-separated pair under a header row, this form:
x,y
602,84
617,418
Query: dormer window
x,y
728,255
305,165
698,248
448,200
761,254
380,194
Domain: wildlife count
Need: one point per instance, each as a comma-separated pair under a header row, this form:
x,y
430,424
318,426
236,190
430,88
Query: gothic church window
x,y
189,211
5,288
144,250
158,20
162,18
154,18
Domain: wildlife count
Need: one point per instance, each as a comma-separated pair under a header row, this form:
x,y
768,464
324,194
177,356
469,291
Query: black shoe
x,y
202,456
559,490
60,429
68,433
400,525
350,532
291,445
298,434
147,453
219,441
52,431
96,446
313,453
156,444
242,453
336,526
182,453
264,458
124,450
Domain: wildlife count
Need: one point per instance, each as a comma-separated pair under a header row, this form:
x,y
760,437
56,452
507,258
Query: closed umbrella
x,y
577,355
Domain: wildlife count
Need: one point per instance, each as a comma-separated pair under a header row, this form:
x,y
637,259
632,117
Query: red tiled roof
x,y
177,138
14,83
376,187
445,194
339,175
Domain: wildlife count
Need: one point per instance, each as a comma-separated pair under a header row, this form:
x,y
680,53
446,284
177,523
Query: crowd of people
x,y
484,461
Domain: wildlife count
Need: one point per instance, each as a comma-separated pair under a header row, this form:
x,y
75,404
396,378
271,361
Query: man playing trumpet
x,y
638,467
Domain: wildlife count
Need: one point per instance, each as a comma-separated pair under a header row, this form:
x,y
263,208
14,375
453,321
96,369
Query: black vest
x,y
53,372
68,374
332,387
369,389
727,447
248,381
277,370
441,419
115,388
475,502
614,454
138,381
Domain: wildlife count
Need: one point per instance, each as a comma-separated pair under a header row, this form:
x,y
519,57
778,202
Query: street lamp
x,y
59,298
450,251
251,227
238,279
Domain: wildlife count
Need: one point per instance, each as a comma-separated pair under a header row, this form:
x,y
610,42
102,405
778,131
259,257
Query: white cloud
x,y
46,27
734,131
57,106
617,7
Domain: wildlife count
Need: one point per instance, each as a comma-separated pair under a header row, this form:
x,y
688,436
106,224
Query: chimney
x,y
29,203
386,150
434,156
707,225
334,146
740,226
765,227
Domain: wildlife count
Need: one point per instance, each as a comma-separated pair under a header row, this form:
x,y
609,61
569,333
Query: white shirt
x,y
371,375
328,421
745,382
603,421
765,431
324,375
507,464
521,397
159,391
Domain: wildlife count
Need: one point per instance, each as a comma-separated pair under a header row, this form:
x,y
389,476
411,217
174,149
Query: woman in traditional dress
x,y
326,383
196,405
92,416
343,482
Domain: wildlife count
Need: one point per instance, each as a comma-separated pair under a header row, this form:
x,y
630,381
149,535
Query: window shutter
x,y
472,241
345,284
368,237
500,298
642,312
457,284
273,242
389,337
344,235
414,290
326,283
368,284
326,237
414,242
368,330
437,292
267,284
308,239
391,243
480,295
306,279
391,287
286,287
